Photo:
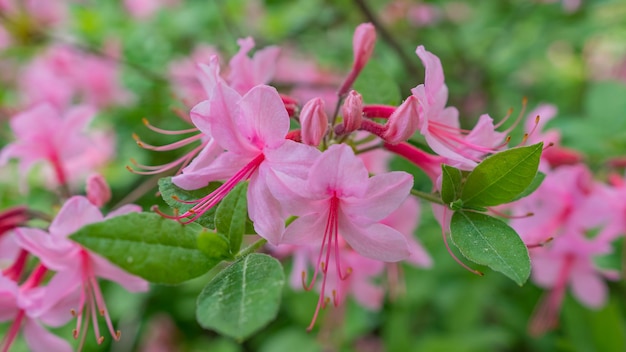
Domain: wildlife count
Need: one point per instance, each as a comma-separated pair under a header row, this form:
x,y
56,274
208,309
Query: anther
x,y
100,340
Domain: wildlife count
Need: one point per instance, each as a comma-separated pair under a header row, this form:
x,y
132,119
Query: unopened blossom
x,y
440,124
313,122
58,139
98,191
251,132
352,113
403,122
339,202
362,47
78,266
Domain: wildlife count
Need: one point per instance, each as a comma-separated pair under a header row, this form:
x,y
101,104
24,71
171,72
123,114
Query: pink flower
x,y
143,9
362,47
339,202
440,125
403,122
43,134
184,73
352,112
29,305
77,265
98,191
251,131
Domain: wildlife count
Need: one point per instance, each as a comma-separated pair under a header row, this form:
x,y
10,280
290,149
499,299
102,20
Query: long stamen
x,y
167,147
169,132
154,170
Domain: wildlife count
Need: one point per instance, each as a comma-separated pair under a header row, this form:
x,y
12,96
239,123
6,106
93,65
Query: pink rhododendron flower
x,y
43,134
30,305
246,72
362,47
78,266
63,74
251,130
184,73
440,125
339,202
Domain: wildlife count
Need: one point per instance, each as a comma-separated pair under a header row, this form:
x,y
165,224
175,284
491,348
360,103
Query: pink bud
x,y
403,122
98,191
352,112
362,47
363,44
314,122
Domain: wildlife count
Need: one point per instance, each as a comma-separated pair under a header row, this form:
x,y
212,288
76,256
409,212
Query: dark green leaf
x,y
242,298
147,245
450,183
170,192
231,216
489,241
501,177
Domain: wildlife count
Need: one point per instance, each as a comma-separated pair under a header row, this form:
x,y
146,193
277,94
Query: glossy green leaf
x,y
231,216
450,183
539,177
501,177
147,245
242,298
489,241
170,192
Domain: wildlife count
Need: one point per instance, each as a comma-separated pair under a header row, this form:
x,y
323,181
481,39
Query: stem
x,y
251,248
427,196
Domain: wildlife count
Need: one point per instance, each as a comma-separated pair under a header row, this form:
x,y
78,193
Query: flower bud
x,y
403,123
352,112
98,191
314,122
362,47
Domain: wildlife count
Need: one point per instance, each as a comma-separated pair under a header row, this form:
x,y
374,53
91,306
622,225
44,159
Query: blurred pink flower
x,y
143,9
77,265
44,134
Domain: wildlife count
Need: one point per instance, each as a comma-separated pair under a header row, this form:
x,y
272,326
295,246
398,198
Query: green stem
x,y
427,196
251,248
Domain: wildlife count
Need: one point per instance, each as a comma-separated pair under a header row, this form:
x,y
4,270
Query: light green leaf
x,y
539,177
501,177
489,241
170,192
147,245
214,245
231,216
243,298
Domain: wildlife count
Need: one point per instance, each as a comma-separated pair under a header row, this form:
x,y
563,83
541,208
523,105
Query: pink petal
x,y
264,210
589,288
265,121
338,169
76,213
58,297
434,71
124,209
56,253
8,298
376,241
292,158
222,168
40,339
306,230
385,193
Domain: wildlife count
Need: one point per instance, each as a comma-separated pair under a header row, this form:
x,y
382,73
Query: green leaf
x,y
242,298
539,177
376,86
231,216
214,245
488,241
170,191
450,183
501,177
147,245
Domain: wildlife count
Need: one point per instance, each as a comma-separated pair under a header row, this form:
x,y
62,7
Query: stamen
x,y
508,216
168,132
540,244
168,147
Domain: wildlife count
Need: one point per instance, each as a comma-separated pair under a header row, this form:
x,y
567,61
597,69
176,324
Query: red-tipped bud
x,y
98,191
403,123
314,122
352,112
362,46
